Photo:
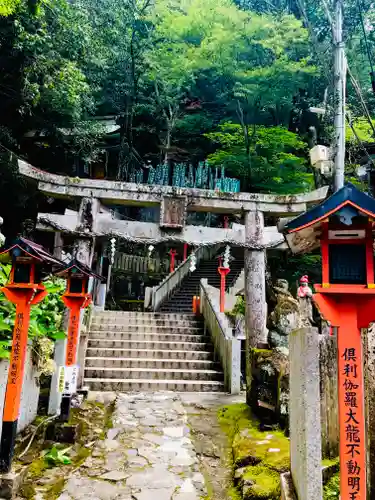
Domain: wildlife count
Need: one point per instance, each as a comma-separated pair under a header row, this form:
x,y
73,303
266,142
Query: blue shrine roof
x,y
348,195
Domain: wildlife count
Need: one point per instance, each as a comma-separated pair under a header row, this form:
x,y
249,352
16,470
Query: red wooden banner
x,y
75,304
17,363
351,406
349,313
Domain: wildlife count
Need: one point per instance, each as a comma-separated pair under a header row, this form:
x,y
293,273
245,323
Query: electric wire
x,y
302,9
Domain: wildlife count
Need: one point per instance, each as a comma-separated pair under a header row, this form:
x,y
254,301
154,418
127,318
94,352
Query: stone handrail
x,y
227,346
155,296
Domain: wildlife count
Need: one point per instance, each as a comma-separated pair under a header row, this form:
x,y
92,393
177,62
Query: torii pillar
x,y
255,290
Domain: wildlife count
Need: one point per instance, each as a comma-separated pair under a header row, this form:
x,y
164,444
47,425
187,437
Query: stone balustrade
x,y
227,347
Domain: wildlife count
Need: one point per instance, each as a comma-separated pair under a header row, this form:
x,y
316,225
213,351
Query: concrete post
x,y
304,414
54,403
255,281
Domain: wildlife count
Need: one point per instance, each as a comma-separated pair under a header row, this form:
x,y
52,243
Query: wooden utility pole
x,y
340,86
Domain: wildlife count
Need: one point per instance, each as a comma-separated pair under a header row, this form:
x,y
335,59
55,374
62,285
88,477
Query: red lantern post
x,y
223,271
172,254
24,290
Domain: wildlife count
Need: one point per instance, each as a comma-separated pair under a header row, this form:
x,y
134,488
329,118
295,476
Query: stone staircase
x,y
181,300
133,351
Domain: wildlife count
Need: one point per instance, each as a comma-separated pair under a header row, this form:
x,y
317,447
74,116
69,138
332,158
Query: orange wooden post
x,y
349,313
172,254
23,298
24,290
223,271
194,304
75,298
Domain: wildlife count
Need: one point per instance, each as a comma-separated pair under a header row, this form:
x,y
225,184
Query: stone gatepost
x,y
255,280
255,291
304,414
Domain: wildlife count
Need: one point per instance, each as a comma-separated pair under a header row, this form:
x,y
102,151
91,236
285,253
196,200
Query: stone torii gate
x,y
94,220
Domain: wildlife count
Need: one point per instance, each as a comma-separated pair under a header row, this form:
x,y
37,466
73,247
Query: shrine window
x,y
347,264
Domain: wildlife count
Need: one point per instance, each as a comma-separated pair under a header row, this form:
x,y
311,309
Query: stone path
x,y
147,455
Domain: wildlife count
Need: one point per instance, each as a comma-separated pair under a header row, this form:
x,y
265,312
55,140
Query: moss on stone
x,y
250,445
266,483
262,454
37,467
54,491
254,447
261,353
234,494
331,462
27,491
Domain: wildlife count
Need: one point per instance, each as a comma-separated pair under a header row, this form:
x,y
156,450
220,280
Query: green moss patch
x,y
250,445
94,419
261,483
260,455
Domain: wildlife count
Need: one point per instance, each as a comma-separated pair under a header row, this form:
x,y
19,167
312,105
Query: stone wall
x,y
30,391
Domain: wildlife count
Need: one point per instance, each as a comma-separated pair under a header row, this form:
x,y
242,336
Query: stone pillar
x,y
58,244
84,246
255,281
304,414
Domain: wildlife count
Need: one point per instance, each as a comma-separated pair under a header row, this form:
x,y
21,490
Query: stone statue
x,y
304,294
304,290
285,316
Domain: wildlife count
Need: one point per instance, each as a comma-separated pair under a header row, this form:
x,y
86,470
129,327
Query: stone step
x,y
149,344
160,354
148,315
139,335
115,327
119,385
150,363
145,321
155,374
170,306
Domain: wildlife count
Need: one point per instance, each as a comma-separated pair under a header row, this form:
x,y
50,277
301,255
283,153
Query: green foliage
x,y
363,130
331,490
7,7
275,162
55,457
239,307
45,318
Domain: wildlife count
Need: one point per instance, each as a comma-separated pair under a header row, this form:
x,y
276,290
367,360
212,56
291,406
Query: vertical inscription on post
x,y
352,428
71,348
173,212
